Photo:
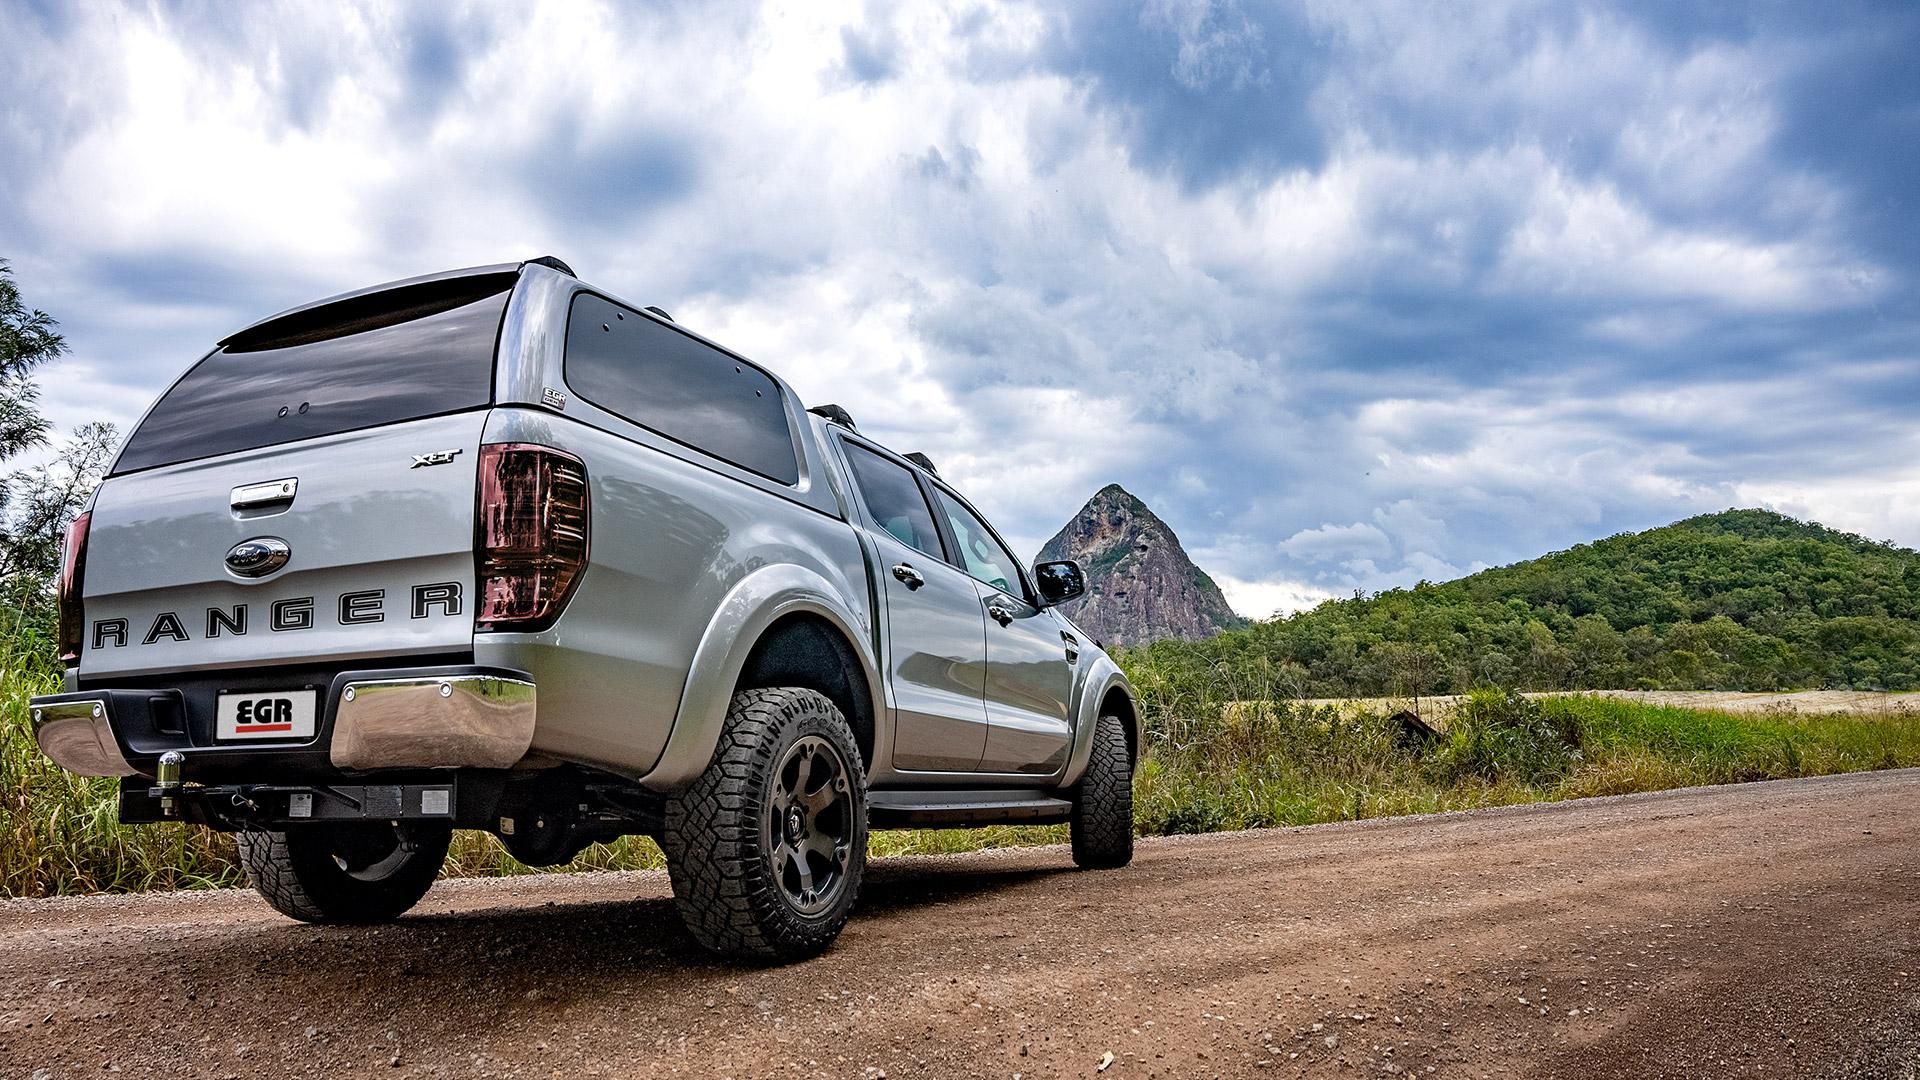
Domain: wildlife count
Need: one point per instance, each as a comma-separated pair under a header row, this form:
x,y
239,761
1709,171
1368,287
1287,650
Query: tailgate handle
x,y
270,493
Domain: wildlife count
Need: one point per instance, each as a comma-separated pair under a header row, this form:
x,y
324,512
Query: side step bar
x,y
963,809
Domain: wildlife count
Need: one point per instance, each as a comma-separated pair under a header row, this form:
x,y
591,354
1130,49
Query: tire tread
x,y
1102,819
725,895
300,881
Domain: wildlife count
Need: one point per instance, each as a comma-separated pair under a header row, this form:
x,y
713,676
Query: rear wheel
x,y
767,848
1103,807
344,873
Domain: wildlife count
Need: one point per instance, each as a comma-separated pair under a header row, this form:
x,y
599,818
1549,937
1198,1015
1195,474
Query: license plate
x,y
265,715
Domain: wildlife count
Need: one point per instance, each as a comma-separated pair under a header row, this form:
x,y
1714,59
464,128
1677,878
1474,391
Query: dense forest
x,y
1739,600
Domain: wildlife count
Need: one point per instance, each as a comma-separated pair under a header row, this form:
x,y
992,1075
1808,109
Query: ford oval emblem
x,y
259,556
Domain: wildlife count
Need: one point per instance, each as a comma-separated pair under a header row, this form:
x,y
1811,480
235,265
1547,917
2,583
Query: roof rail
x,y
922,460
834,414
551,263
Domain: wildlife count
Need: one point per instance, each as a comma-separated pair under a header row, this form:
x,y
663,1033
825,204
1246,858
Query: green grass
x,y
1296,764
1211,765
60,833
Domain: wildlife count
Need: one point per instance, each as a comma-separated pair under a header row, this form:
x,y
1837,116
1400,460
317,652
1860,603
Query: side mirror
x,y
1059,582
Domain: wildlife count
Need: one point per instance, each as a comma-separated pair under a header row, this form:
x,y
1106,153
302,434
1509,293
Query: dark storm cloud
x,y
437,46
1205,91
184,278
49,15
610,181
869,54
1853,113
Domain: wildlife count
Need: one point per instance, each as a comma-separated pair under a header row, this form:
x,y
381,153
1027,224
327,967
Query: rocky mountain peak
x,y
1141,586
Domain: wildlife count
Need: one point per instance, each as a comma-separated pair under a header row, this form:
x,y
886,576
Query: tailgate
x,y
378,534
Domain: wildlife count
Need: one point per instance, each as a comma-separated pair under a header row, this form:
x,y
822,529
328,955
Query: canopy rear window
x,y
399,354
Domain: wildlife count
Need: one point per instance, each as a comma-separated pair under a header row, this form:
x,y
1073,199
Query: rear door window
x,y
894,500
399,354
680,387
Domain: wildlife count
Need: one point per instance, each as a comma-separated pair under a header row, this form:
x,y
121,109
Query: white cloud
x,y
1268,599
1878,507
1337,543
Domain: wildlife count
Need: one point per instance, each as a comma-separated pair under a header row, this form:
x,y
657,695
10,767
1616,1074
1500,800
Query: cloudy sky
x,y
1352,294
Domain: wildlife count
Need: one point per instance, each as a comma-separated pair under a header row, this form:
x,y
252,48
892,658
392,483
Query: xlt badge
x,y
438,457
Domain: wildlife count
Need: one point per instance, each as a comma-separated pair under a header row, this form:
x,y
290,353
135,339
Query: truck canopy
x,y
414,350
346,433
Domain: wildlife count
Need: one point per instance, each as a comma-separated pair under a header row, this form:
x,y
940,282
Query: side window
x,y
684,389
893,498
980,554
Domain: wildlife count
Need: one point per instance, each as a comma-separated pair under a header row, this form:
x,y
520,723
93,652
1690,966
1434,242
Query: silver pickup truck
x,y
494,549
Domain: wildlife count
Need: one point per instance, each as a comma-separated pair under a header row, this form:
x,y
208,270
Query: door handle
x,y
909,576
1001,615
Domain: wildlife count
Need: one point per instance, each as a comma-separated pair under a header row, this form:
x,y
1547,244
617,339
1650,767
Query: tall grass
x,y
1228,749
1625,739
1280,763
61,833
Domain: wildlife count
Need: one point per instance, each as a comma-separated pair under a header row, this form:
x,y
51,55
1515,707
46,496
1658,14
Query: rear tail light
x,y
532,535
73,564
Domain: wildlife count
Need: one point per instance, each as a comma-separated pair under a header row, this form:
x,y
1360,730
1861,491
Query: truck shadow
x,y
505,969
586,945
602,930
901,887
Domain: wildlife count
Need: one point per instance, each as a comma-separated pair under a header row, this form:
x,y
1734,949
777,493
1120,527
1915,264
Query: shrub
x,y
1499,735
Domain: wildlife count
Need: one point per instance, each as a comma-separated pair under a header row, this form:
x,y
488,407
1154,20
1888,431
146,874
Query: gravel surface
x,y
1756,930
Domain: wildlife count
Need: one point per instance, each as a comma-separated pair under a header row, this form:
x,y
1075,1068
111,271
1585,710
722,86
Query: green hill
x,y
1739,600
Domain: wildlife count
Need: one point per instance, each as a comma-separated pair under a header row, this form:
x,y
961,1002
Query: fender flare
x,y
1102,676
754,603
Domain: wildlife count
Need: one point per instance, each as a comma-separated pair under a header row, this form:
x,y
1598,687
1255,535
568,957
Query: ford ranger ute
x,y
494,549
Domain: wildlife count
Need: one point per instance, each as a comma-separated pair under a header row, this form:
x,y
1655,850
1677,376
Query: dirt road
x,y
1762,930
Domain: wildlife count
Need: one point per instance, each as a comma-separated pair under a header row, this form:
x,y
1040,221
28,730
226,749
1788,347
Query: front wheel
x,y
344,873
1103,806
767,849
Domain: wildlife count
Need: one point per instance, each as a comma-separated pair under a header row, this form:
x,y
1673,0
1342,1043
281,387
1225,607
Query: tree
x,y
1339,669
1493,668
1408,669
1598,653
27,340
37,503
1547,661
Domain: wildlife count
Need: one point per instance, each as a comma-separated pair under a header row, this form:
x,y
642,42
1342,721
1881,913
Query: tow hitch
x,y
166,786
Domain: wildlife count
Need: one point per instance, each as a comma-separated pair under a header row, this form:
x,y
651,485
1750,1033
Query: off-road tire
x,y
297,873
1103,806
720,856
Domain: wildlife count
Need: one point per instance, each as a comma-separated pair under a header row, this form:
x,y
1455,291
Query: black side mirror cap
x,y
1059,582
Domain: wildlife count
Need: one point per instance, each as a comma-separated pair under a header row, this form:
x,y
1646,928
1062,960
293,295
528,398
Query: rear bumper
x,y
471,721
72,729
410,718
